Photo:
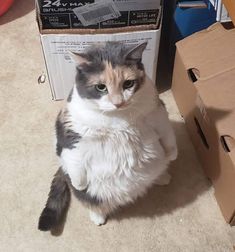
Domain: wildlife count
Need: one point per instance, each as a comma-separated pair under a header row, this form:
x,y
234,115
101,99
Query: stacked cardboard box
x,y
72,25
204,89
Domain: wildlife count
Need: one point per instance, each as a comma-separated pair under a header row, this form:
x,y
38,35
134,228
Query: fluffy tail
x,y
57,204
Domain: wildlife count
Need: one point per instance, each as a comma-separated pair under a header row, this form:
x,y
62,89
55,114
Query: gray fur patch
x,y
115,53
66,138
83,89
112,52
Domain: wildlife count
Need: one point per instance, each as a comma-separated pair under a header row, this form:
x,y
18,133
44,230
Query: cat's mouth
x,y
124,106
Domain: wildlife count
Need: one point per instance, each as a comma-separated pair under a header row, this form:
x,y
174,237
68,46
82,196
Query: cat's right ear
x,y
135,53
79,58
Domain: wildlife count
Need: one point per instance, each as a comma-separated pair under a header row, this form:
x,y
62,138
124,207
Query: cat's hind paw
x,y
172,154
164,179
96,218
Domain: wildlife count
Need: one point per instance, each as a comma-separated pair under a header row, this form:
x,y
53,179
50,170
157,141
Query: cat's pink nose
x,y
118,105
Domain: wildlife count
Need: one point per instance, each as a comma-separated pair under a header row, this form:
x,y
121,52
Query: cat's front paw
x,y
172,154
79,185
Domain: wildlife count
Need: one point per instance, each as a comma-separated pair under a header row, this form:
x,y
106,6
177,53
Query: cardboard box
x,y
204,90
97,14
57,42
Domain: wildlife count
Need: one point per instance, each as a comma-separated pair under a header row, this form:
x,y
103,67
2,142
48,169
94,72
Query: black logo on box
x,y
57,21
143,17
61,6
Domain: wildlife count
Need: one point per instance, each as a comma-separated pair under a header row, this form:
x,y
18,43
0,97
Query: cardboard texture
x,y
204,89
230,6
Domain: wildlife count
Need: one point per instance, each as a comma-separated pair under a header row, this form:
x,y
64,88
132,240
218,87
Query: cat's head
x,y
110,75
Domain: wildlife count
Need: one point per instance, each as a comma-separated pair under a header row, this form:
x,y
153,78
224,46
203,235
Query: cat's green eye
x,y
101,88
128,84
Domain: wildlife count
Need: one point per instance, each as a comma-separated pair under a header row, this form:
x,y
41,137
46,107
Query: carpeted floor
x,y
180,217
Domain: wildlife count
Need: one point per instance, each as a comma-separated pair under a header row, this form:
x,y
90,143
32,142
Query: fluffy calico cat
x,y
114,139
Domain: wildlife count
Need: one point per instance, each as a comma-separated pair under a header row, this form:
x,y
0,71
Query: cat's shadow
x,y
188,182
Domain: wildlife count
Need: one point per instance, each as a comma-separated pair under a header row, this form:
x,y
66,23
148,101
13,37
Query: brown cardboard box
x,y
230,6
204,89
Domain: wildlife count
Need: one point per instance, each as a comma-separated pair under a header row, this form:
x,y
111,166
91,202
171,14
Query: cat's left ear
x,y
136,52
79,58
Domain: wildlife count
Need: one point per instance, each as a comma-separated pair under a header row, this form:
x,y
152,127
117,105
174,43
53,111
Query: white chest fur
x,y
119,163
118,158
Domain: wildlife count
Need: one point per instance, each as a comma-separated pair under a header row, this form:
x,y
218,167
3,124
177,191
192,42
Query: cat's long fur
x,y
111,158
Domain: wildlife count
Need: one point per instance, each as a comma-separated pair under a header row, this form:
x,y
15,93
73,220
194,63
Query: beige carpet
x,y
180,217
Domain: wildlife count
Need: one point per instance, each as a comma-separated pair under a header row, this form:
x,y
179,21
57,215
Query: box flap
x,y
100,31
210,52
